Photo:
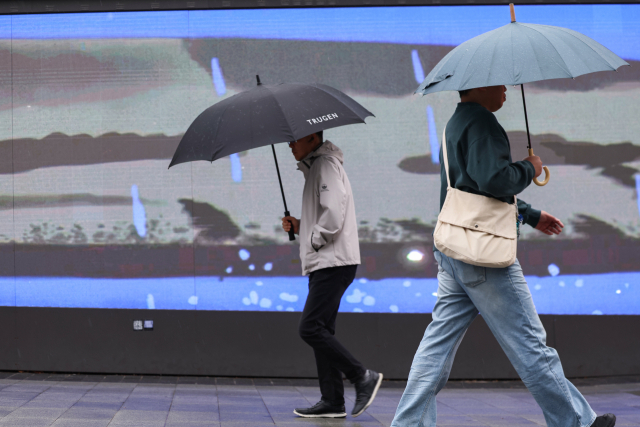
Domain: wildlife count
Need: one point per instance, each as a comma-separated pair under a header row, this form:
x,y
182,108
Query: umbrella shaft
x,y
526,119
279,179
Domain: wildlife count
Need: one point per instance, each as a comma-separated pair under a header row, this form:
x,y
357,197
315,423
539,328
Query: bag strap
x,y
444,155
446,162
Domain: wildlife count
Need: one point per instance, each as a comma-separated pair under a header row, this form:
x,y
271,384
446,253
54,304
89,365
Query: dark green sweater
x,y
480,160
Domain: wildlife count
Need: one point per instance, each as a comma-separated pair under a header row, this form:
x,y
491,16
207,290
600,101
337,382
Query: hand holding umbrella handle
x,y
292,235
546,171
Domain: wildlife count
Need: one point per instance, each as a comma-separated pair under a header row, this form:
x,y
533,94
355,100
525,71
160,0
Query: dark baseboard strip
x,y
266,344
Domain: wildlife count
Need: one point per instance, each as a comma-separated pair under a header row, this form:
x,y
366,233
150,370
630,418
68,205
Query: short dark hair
x,y
320,136
464,92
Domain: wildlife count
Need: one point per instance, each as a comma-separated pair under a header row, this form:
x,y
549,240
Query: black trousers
x,y
318,327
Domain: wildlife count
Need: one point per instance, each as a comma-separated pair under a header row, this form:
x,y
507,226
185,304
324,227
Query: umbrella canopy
x,y
519,53
263,116
516,54
266,115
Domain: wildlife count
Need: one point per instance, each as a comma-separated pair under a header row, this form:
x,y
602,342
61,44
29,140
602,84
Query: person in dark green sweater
x,y
480,157
480,163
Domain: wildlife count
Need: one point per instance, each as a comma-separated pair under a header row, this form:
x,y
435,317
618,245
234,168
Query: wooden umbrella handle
x,y
546,172
513,12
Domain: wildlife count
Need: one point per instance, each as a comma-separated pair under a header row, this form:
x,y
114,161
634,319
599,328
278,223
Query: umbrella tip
x,y
513,12
258,79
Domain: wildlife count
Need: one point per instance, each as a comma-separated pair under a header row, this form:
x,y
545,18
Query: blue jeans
x,y
503,298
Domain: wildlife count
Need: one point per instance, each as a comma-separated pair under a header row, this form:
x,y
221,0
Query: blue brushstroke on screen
x,y
418,71
553,269
236,168
139,214
433,137
638,190
609,294
218,78
151,302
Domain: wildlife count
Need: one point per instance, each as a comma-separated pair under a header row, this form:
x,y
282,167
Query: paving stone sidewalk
x,y
115,400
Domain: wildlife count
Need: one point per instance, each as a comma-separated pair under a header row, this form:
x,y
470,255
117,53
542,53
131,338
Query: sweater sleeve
x,y
489,165
530,216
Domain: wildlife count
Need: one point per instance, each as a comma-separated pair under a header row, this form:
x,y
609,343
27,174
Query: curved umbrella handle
x,y
546,179
546,172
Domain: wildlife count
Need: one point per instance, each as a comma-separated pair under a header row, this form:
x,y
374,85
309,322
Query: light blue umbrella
x,y
516,54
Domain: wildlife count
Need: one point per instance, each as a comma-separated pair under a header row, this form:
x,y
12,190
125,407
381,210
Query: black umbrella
x,y
266,115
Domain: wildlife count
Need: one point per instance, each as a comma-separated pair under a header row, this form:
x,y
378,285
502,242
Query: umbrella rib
x,y
286,119
435,72
218,127
531,44
330,94
566,67
590,47
513,68
470,61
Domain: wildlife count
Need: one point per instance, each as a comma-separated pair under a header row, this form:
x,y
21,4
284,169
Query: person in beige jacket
x,y
330,254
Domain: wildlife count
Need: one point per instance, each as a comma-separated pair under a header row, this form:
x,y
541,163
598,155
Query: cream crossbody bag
x,y
476,229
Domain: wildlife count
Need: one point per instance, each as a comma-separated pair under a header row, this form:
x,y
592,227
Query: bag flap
x,y
480,213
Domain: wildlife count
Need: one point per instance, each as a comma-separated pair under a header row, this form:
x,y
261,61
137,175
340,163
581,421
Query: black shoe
x,y
606,420
321,409
366,390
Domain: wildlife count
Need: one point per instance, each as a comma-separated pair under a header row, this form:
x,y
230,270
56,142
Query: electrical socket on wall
x,y
143,325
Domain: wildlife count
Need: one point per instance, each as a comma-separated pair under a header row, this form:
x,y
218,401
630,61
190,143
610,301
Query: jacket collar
x,y
311,157
325,149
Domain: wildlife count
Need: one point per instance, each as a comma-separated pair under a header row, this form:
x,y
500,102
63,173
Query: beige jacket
x,y
328,227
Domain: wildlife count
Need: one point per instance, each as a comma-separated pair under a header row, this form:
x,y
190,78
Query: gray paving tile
x,y
539,421
37,413
65,422
311,422
384,418
84,413
504,421
246,417
97,405
199,417
81,400
27,422
6,411
127,416
193,407
453,420
137,423
244,424
193,424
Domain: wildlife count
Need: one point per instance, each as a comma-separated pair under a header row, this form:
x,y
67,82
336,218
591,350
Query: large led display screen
x,y
92,107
